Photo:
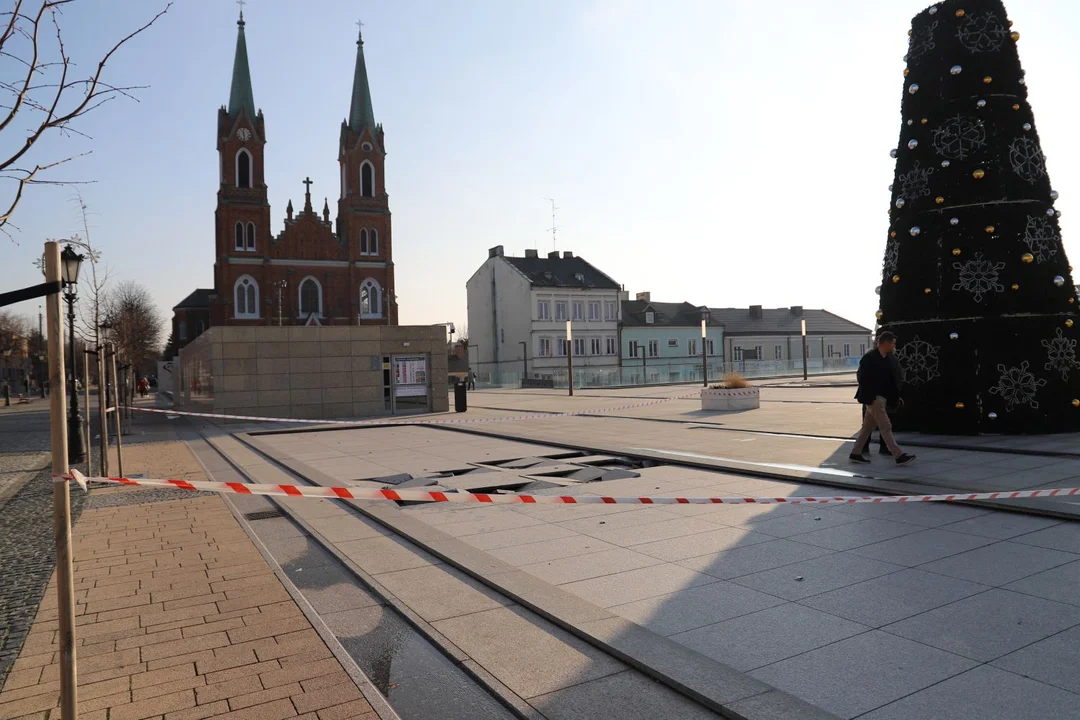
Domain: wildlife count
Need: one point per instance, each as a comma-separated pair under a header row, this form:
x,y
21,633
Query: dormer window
x,y
650,317
580,278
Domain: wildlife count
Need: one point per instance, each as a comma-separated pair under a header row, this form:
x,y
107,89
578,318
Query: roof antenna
x,y
554,227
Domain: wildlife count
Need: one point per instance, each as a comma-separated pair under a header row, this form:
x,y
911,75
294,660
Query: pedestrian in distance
x,y
472,380
879,389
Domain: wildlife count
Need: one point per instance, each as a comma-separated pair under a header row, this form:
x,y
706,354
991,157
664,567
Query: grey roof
x,y
783,321
562,272
198,299
664,314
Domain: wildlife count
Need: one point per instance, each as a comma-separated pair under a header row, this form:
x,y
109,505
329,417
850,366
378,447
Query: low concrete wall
x,y
303,372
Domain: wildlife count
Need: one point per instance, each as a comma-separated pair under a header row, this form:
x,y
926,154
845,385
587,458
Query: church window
x,y
363,242
370,299
310,297
183,331
373,247
251,237
239,236
367,179
246,298
243,168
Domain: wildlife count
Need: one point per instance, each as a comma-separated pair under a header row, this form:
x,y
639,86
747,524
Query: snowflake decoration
x,y
959,137
892,257
1027,159
1017,386
979,276
1060,354
982,32
922,42
1041,237
916,183
918,361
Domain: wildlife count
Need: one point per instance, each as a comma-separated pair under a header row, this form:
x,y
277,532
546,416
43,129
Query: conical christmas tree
x,y
975,282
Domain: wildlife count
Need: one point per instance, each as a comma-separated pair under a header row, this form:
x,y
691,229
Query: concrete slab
x,y
439,592
696,607
517,536
591,565
627,696
921,547
862,673
703,543
1065,536
1000,563
624,587
855,534
1061,584
535,552
632,535
1053,661
988,625
1002,526
893,597
753,558
985,693
382,554
801,523
811,577
762,638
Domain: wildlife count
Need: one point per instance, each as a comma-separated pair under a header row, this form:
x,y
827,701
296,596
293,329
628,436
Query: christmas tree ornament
x,y
933,10
959,13
1050,212
1015,286
915,231
910,123
992,416
1023,81
1076,402
879,314
939,200
1015,36
945,163
1059,281
927,291
896,278
954,221
990,228
912,144
987,80
892,234
1069,322
981,103
959,406
906,72
877,290
956,70
1072,300
1027,258
956,252
924,121
914,88
892,153
954,336
910,33
899,203
1054,195
1027,127
979,174
1016,106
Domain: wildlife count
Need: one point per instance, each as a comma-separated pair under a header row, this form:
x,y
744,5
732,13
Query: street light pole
x,y
71,261
705,345
805,348
569,358
524,359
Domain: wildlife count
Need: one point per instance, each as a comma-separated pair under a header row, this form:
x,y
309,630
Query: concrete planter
x,y
727,400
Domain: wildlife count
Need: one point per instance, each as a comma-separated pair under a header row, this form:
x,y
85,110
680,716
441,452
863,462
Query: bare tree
x,y
14,330
91,305
43,94
136,323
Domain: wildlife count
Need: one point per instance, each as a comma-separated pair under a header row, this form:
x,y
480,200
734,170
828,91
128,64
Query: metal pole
x,y
569,359
524,358
86,419
805,351
65,591
103,415
704,355
75,439
116,416
41,353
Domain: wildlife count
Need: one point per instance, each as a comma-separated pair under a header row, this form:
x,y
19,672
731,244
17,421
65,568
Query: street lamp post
x,y
70,262
704,345
524,359
569,358
805,351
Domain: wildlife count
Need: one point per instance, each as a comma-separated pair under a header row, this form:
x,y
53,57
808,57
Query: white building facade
x,y
518,313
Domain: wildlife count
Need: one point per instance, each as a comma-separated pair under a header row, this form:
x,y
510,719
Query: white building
x,y
519,307
775,336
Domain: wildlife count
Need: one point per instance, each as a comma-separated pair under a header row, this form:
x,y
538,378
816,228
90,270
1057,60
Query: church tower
x,y
363,218
242,218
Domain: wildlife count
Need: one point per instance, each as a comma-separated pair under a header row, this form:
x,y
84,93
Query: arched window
x,y
246,298
367,179
373,244
239,244
310,297
370,299
363,242
243,168
344,177
251,237
182,333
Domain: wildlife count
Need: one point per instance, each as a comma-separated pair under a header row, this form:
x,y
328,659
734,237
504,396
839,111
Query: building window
x,y
579,310
633,347
182,332
200,328
367,179
738,353
611,346
778,352
246,298
373,246
310,297
847,350
543,309
239,236
691,347
594,346
862,349
830,351
759,352
251,237
711,346
654,348
544,347
609,311
562,347
243,168
560,310
363,242
594,311
673,342
370,299
650,317
579,346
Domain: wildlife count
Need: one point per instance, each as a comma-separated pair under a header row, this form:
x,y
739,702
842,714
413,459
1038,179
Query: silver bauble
x,y
890,188
956,70
933,10
1059,281
899,203
1023,81
892,153
954,221
992,416
981,103
945,163
1050,212
877,290
954,336
1027,127
1057,213
912,144
915,231
1054,195
914,88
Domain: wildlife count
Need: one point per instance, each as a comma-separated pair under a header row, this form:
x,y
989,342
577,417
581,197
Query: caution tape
x,y
407,421
436,496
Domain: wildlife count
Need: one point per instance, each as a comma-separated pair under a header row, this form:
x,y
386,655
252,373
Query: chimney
x,y
755,312
554,255
796,310
644,297
496,251
532,253
567,254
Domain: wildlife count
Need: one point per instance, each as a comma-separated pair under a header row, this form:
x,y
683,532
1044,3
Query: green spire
x,y
360,113
240,95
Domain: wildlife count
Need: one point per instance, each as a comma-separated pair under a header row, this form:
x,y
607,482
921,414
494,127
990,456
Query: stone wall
x,y
303,372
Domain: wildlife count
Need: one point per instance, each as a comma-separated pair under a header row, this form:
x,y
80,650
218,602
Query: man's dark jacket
x,y
879,375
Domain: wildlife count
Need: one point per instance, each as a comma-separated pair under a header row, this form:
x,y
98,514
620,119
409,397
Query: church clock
x,y
243,134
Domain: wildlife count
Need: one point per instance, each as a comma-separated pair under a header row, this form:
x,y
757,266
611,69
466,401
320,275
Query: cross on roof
x,y
308,182
241,3
360,34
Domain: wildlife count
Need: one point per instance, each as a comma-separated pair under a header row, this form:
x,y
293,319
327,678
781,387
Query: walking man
x,y
879,388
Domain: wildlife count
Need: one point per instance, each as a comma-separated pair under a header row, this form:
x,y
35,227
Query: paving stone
x,y
624,587
889,598
1054,660
590,565
627,696
862,673
801,523
921,547
386,554
753,558
1000,563
702,543
988,625
439,592
985,693
934,514
695,607
762,638
815,576
1002,525
518,555
855,534
1065,536
1061,584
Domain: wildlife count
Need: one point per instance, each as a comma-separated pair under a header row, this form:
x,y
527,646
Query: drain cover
x,y
263,515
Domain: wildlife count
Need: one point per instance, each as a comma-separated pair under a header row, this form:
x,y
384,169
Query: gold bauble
x,y
1015,286
910,33
989,228
979,174
879,314
927,291
1075,402
987,80
892,234
1072,300
939,199
1069,323
1070,268
896,278
1028,258
1016,106
906,72
1015,36
959,13
956,252
1010,23
924,121
959,406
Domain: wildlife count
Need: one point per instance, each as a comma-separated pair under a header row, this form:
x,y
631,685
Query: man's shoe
x,y
904,459
858,458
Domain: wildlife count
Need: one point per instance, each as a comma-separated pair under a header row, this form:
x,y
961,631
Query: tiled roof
x,y
198,299
664,314
562,272
783,321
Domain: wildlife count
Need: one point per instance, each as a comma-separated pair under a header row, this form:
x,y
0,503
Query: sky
x,y
721,152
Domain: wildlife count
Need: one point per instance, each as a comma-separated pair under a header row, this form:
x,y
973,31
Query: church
x,y
315,271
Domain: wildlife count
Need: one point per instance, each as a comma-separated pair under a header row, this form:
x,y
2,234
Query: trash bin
x,y
459,397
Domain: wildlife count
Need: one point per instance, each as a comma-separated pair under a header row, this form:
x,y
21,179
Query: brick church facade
x,y
315,271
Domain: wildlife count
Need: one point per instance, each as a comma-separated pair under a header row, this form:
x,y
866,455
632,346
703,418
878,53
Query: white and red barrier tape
x,y
411,421
434,496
